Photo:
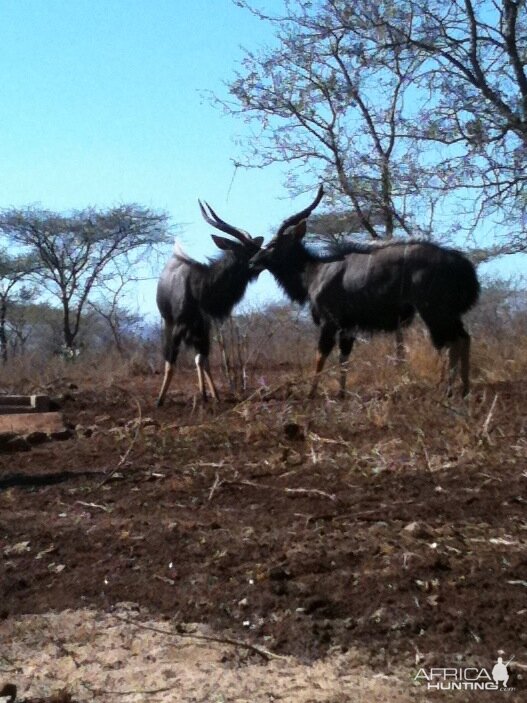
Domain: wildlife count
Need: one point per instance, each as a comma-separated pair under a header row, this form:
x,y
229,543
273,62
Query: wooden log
x,y
24,423
23,404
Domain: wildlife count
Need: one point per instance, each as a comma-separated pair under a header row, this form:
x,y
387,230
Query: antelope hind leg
x,y
346,345
209,379
169,372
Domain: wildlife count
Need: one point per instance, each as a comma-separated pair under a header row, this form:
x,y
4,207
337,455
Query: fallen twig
x,y
215,485
94,505
327,440
303,491
264,653
427,461
366,515
98,691
127,452
11,662
485,427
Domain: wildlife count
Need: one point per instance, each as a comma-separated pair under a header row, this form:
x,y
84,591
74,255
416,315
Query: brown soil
x,y
393,522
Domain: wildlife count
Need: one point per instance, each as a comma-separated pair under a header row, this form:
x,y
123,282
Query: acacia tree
x,y
111,309
475,54
331,101
408,108
14,274
79,251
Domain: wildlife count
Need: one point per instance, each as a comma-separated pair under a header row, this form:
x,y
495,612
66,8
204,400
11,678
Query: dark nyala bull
x,y
374,288
190,295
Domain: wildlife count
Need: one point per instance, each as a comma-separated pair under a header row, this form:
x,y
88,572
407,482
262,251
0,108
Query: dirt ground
x,y
349,542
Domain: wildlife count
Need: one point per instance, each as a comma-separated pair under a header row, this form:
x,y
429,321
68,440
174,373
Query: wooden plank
x,y
23,404
40,403
15,400
24,423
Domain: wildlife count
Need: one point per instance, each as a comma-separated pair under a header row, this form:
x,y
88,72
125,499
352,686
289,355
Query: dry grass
x,y
372,365
393,415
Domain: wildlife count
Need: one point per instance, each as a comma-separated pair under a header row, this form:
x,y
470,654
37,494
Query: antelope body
x,y
373,288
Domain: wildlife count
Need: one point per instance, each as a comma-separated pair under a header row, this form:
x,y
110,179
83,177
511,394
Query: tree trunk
x,y
69,335
3,333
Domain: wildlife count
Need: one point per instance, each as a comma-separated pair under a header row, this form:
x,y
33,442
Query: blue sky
x,y
103,103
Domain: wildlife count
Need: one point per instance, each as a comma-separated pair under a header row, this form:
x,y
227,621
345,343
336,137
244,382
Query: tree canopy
x,y
412,110
15,272
79,252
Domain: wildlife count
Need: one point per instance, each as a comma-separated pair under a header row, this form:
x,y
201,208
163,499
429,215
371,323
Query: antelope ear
x,y
223,243
258,241
299,230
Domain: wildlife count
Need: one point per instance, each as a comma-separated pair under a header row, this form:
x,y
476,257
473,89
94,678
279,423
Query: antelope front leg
x,y
453,360
172,340
326,343
459,357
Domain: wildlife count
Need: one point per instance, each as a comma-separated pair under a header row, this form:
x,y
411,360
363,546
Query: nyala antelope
x,y
190,295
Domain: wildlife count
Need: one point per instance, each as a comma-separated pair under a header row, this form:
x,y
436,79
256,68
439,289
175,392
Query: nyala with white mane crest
x,y
190,295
